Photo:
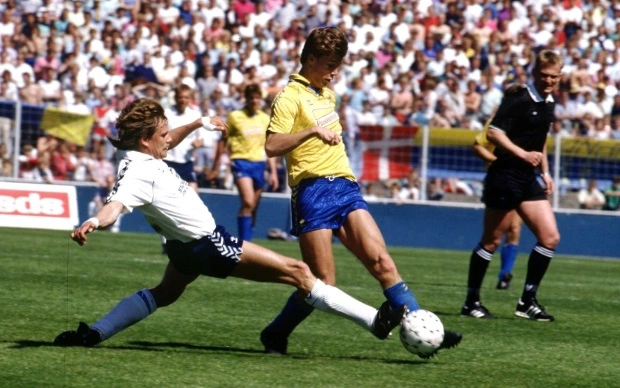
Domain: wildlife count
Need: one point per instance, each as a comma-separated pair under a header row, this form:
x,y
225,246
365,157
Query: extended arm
x,y
105,217
210,123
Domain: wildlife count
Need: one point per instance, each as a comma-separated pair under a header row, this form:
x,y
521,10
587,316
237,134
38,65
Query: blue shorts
x,y
324,203
185,170
215,255
244,168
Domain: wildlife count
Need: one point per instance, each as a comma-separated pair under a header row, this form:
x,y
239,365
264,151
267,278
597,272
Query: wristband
x,y
93,220
206,124
545,174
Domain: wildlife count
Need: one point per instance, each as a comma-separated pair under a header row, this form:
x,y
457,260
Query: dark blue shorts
x,y
244,168
215,255
507,189
185,170
324,203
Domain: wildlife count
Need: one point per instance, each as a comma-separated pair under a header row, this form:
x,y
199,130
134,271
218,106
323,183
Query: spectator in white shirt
x,y
286,13
98,74
260,17
406,57
231,74
366,116
78,106
591,197
590,107
565,111
212,11
181,158
167,74
76,16
7,26
52,91
22,67
491,98
402,30
168,13
436,67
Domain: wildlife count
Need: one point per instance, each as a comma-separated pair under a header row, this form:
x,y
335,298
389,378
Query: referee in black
x,y
519,132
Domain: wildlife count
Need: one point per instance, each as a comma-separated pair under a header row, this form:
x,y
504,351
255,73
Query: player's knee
x,y
514,232
551,241
384,266
492,245
247,206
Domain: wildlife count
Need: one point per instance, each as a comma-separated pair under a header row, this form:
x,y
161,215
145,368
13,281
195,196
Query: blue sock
x,y
399,294
244,227
128,311
294,312
508,258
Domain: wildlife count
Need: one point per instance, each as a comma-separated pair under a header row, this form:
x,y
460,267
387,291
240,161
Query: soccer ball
x,y
421,332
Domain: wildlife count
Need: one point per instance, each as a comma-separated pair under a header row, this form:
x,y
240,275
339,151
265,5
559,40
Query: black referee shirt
x,y
526,117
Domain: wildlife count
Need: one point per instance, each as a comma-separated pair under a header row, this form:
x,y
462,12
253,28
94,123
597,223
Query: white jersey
x,y
172,208
184,151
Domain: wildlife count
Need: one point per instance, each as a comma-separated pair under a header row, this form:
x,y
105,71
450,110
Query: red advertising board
x,y
25,205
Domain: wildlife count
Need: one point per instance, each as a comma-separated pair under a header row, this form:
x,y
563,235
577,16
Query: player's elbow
x,y
270,151
492,135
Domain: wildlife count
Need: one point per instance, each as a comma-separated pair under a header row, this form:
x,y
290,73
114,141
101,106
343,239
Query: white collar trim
x,y
531,89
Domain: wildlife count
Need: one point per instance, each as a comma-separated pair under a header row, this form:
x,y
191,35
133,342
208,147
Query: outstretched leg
x,y
260,264
316,248
129,311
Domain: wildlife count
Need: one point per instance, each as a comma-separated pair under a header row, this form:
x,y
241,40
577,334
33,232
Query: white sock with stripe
x,y
333,300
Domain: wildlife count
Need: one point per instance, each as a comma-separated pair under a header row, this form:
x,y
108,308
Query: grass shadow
x,y
150,346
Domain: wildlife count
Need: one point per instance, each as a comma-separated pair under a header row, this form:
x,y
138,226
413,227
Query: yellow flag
x,y
72,127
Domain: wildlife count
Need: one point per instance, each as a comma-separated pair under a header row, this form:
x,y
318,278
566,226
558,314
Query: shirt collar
x,y
304,81
134,155
531,89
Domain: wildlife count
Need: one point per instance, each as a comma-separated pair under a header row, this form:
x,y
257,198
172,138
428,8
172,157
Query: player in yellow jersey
x,y
326,200
245,139
484,150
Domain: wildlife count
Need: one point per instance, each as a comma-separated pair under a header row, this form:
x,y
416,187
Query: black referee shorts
x,y
507,189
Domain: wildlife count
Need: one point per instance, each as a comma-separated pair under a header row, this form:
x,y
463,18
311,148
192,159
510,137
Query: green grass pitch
x,y
209,338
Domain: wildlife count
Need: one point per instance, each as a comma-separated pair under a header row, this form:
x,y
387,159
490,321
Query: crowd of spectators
x,y
419,62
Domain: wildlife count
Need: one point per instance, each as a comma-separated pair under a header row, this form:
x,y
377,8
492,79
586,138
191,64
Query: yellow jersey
x,y
246,135
298,107
481,139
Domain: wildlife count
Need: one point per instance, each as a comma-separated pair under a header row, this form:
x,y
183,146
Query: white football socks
x,y
333,300
128,311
